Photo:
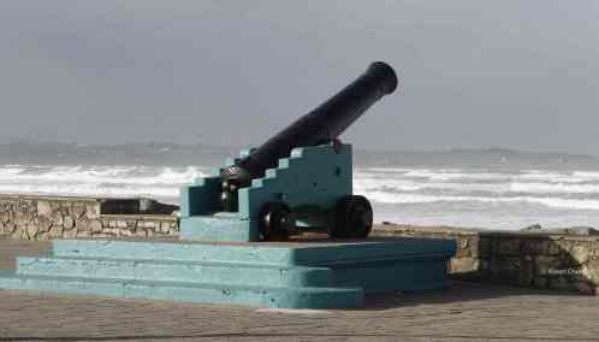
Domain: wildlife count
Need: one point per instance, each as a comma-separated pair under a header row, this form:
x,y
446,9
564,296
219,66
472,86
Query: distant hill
x,y
160,153
479,158
152,153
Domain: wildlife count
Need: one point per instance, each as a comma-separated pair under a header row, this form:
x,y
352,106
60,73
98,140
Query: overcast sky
x,y
474,74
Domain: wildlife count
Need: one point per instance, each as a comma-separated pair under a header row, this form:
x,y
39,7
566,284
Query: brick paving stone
x,y
466,312
10,248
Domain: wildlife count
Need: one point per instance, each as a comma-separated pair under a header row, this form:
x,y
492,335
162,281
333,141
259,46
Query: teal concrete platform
x,y
305,274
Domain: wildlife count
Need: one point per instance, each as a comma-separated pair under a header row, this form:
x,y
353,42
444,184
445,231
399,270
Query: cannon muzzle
x,y
320,126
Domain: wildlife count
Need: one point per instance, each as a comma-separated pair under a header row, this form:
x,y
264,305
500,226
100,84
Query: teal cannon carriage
x,y
300,179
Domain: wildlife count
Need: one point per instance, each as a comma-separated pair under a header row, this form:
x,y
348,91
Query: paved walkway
x,y
467,312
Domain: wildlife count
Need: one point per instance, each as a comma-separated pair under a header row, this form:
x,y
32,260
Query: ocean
x,y
494,189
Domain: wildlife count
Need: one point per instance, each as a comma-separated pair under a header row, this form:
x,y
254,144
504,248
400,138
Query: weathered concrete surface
x,y
466,312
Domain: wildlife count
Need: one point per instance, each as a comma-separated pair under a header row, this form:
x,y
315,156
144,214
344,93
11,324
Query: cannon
x,y
300,179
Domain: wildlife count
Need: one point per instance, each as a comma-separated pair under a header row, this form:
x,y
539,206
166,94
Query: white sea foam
x,y
395,186
113,181
101,174
550,189
552,202
447,175
565,188
91,190
504,188
441,175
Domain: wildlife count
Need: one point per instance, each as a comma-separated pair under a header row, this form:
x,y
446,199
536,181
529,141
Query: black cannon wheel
x,y
275,221
353,218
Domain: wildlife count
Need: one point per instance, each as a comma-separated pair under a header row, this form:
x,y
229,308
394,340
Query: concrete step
x,y
193,272
173,251
278,297
339,252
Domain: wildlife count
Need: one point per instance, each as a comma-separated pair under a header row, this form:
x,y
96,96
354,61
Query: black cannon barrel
x,y
321,125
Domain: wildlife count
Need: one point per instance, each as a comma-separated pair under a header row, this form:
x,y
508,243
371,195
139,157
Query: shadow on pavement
x,y
459,291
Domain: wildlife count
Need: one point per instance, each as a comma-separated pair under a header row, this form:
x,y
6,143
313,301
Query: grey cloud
x,y
474,73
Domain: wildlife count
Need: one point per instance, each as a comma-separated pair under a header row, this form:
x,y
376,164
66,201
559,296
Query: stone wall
x,y
139,226
44,218
558,259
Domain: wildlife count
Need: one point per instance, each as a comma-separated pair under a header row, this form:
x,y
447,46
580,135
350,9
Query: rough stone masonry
x,y
565,259
44,218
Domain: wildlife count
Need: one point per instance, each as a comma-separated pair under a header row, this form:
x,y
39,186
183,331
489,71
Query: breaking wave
x,y
552,202
111,181
439,195
553,189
